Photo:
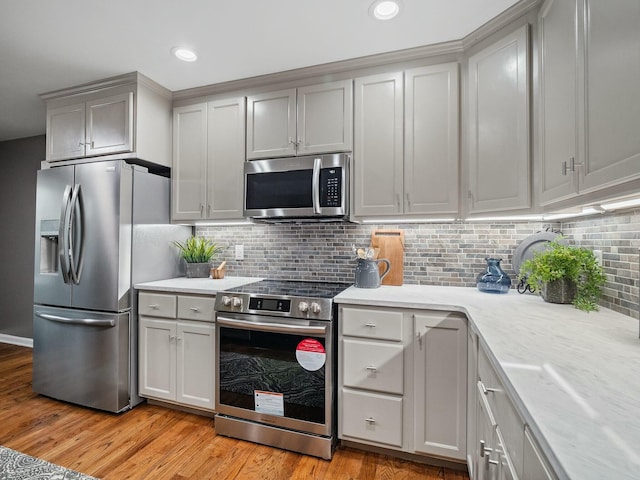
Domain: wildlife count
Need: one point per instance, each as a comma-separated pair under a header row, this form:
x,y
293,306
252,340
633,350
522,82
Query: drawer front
x,y
373,417
196,308
504,412
373,365
369,323
157,305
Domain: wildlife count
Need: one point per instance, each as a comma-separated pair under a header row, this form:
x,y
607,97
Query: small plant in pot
x,y
565,274
198,253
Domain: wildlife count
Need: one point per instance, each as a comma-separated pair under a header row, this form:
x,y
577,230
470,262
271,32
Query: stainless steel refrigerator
x,y
100,228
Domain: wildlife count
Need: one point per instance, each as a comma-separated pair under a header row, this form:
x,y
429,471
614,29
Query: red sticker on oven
x,y
311,354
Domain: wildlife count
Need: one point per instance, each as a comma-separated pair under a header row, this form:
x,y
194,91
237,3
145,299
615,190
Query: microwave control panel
x,y
331,187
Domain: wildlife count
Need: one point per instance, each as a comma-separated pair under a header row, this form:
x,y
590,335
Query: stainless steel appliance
x,y
276,367
100,228
297,189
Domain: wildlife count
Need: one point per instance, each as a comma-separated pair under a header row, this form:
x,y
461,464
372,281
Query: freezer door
x,y
52,196
82,357
104,225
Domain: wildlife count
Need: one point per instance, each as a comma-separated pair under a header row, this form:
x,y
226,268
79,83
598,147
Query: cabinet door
x,y
499,177
325,118
485,455
188,197
472,381
378,145
535,467
225,158
431,140
195,362
157,356
440,371
612,110
65,132
271,124
558,108
110,125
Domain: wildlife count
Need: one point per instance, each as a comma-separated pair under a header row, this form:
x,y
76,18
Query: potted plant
x,y
565,274
198,252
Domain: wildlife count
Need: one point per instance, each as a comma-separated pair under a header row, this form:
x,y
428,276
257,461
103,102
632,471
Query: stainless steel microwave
x,y
313,188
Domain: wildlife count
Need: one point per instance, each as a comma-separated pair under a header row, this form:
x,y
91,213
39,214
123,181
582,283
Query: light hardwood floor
x,y
153,442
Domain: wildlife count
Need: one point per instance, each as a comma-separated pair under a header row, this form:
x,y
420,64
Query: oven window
x,y
252,361
291,189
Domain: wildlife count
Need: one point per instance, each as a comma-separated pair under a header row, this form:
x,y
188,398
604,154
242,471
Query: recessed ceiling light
x,y
184,54
384,9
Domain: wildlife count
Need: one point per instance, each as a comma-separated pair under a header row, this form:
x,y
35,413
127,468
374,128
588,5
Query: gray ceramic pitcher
x,y
368,274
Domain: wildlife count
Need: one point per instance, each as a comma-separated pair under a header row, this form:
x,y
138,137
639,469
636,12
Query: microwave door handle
x,y
315,190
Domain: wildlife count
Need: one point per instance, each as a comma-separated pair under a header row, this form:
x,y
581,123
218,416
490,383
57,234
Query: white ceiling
x,y
48,45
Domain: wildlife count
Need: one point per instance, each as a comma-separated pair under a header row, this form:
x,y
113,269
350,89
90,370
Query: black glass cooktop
x,y
292,288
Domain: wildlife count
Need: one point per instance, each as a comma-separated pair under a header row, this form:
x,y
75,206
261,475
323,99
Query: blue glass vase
x,y
493,279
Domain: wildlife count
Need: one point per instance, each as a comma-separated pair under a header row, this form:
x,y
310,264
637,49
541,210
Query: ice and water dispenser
x,y
49,232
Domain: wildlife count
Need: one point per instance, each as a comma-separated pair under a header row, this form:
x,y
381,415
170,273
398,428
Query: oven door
x,y
275,371
301,187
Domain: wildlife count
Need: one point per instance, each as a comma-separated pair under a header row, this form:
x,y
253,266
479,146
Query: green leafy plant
x,y
198,250
576,264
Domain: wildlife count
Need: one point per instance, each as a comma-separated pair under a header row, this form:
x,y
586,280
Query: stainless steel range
x,y
275,366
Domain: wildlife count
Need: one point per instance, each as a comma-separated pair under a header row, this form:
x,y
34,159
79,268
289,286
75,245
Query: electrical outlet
x,y
239,252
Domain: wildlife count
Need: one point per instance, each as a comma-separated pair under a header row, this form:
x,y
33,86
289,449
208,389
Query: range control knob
x,y
226,301
315,308
303,307
237,302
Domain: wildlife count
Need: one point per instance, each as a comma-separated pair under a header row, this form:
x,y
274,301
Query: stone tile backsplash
x,y
449,254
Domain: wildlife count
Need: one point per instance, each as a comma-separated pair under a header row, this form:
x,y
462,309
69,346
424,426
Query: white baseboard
x,y
13,340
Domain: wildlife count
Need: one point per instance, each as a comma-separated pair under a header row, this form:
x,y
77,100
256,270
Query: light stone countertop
x,y
574,376
202,286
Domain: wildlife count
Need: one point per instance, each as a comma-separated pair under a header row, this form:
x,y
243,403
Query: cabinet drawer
x,y
157,305
373,365
381,324
372,417
196,308
504,412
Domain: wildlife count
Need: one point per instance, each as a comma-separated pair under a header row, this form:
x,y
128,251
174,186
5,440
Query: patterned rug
x,y
18,466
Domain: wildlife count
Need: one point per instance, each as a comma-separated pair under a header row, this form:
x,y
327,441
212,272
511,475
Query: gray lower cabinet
x,y
498,113
589,101
208,160
503,448
402,380
176,349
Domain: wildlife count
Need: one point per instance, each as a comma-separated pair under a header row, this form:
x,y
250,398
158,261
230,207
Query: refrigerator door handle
x,y
63,234
76,232
92,322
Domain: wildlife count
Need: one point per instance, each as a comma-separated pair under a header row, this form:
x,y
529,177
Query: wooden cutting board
x,y
391,245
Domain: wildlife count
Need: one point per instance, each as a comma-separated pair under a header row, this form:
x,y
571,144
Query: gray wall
x,y
19,161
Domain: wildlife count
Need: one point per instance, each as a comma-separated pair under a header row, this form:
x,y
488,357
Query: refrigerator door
x,y
82,357
102,226
54,187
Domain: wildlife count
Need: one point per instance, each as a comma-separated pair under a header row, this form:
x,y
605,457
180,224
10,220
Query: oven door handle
x,y
273,327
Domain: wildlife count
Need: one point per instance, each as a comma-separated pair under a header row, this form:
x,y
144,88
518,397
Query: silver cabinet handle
x,y
487,390
153,306
371,368
564,168
484,450
194,309
370,420
370,325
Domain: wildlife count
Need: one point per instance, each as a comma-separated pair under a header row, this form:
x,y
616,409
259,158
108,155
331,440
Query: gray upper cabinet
x,y
97,127
498,148
611,92
128,116
302,121
208,156
558,112
406,135
590,102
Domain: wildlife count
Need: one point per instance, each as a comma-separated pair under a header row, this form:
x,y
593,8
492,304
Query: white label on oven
x,y
311,354
269,402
